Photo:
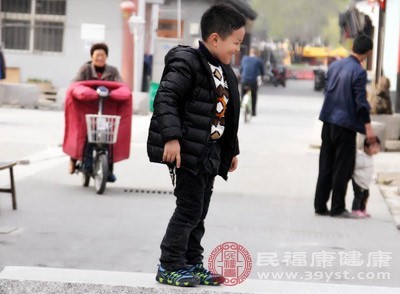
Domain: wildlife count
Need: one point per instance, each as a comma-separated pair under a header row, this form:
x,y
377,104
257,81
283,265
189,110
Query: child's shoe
x,y
182,278
358,214
366,214
206,277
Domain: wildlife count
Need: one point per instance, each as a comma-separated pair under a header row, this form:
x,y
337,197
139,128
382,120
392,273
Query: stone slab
x,y
52,280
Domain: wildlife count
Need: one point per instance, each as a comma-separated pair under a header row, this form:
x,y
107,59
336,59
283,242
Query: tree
x,y
299,19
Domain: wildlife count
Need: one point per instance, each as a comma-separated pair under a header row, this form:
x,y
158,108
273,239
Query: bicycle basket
x,y
102,128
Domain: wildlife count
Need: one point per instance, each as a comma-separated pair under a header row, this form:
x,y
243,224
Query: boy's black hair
x,y
362,44
222,19
99,46
371,141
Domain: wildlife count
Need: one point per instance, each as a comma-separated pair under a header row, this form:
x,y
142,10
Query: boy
x,y
194,130
362,176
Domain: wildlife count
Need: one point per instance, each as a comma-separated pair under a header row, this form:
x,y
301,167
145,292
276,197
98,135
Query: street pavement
x,y
266,205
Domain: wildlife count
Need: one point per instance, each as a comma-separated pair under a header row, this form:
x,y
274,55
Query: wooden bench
x,y
10,165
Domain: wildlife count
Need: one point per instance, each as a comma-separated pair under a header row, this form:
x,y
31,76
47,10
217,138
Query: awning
x,y
340,51
316,52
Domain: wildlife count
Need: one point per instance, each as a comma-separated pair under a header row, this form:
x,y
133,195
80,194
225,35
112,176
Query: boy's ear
x,y
213,39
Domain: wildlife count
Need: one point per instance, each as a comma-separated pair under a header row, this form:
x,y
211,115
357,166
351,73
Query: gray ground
x,y
267,204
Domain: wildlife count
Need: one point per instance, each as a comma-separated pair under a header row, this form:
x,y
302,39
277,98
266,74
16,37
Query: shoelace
x,y
179,274
203,271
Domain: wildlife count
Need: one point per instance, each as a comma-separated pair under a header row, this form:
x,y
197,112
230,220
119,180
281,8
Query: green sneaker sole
x,y
210,283
178,284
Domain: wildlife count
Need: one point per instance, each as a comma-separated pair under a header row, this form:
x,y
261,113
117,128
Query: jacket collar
x,y
210,58
107,72
355,58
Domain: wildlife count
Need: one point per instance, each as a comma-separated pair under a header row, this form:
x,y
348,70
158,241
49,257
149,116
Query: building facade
x,y
50,39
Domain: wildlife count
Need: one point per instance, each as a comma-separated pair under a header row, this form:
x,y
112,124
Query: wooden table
x,y
10,165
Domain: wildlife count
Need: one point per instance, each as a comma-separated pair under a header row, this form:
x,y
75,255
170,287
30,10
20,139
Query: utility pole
x,y
381,39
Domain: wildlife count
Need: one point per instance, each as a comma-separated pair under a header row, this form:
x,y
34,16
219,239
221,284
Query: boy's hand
x,y
234,164
172,152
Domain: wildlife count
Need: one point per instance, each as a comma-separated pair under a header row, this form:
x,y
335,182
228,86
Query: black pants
x,y
254,90
360,197
181,244
336,166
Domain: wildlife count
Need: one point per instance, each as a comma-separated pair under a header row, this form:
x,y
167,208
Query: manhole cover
x,y
147,191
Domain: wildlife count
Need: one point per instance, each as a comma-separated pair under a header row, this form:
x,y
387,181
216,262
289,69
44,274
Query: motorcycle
x,y
275,75
279,73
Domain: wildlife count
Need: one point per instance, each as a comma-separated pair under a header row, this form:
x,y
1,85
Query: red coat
x,y
82,99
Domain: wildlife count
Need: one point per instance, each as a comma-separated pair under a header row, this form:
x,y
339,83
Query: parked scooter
x,y
279,73
319,79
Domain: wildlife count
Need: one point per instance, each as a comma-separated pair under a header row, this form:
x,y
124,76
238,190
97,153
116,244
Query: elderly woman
x,y
97,69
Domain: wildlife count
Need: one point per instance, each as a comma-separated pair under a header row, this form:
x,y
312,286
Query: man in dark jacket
x,y
194,130
251,68
344,113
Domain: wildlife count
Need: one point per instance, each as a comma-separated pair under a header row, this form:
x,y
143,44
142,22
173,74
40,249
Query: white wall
x,y
191,12
391,45
61,68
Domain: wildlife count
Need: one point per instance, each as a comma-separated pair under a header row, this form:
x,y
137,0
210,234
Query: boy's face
x,y
224,49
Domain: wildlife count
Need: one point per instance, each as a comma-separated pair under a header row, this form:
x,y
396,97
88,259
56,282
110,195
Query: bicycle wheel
x,y
249,108
246,114
85,180
249,113
101,173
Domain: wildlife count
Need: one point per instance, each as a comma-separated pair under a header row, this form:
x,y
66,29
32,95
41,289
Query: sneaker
x,y
181,278
358,213
366,214
345,214
206,277
111,178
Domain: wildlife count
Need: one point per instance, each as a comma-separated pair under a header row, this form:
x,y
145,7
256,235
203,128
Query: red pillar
x,y
127,7
397,103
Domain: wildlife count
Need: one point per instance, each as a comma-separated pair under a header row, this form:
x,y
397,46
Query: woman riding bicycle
x,y
96,70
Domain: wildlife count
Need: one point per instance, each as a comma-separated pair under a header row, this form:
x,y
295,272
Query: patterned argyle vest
x,y
218,125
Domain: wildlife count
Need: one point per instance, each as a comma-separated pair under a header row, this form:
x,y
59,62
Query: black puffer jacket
x,y
185,106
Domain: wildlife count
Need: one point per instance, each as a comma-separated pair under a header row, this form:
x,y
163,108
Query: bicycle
x,y
246,105
102,132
